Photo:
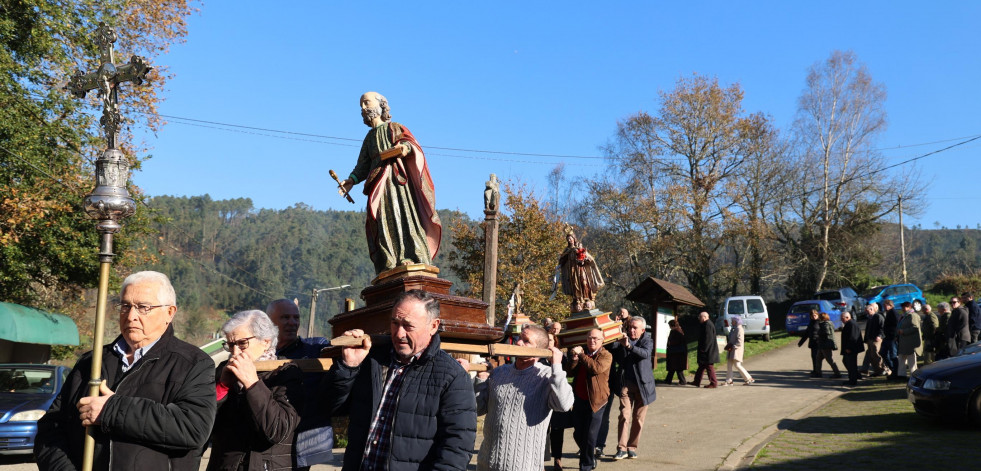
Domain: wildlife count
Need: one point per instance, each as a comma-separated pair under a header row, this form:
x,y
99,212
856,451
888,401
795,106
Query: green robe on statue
x,y
402,226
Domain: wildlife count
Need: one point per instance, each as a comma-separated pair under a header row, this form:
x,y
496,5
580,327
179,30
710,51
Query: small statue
x,y
579,274
492,194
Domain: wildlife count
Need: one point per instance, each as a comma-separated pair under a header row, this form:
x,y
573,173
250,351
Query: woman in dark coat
x,y
677,353
257,418
826,341
812,337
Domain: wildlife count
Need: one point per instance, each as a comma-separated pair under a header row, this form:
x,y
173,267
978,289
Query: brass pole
x,y
88,451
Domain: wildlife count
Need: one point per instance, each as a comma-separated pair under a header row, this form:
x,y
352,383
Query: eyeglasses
x,y
142,309
242,344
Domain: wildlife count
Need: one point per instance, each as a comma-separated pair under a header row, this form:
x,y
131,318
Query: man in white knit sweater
x,y
518,400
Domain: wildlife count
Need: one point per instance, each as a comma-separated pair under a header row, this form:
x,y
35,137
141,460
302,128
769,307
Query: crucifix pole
x,y
109,203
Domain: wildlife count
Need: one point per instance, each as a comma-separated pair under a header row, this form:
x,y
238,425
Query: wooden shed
x,y
664,298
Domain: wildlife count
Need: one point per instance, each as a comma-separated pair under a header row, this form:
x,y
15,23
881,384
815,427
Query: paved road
x,y
705,429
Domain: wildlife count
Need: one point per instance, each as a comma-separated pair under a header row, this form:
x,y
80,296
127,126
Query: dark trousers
x,y
889,354
851,364
816,359
710,368
586,425
827,354
605,424
974,335
556,433
681,377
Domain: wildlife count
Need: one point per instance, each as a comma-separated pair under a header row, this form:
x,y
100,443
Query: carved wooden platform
x,y
576,328
463,319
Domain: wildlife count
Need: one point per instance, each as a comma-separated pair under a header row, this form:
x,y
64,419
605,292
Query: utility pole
x,y
313,305
902,240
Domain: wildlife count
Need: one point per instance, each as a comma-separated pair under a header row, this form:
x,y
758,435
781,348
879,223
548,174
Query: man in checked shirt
x,y
411,405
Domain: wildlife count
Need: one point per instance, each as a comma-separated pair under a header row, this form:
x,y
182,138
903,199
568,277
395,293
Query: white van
x,y
752,310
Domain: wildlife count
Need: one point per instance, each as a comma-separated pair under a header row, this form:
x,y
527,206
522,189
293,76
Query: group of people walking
x,y
895,339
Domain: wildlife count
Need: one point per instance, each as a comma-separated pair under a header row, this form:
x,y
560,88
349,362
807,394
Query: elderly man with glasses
x,y
157,400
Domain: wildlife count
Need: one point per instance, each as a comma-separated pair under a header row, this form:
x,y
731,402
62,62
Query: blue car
x,y
799,315
899,294
949,390
26,394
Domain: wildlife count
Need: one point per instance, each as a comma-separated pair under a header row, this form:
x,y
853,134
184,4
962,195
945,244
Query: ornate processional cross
x,y
107,79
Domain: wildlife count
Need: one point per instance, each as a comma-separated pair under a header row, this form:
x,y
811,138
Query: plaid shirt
x,y
379,446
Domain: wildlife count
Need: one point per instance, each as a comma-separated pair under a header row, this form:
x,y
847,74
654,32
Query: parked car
x,y
752,309
948,389
26,393
799,314
897,293
844,299
971,349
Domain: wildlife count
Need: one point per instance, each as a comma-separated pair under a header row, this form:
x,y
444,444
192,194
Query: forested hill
x,y
225,256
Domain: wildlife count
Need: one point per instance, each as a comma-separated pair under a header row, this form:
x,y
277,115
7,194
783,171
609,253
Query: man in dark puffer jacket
x,y
411,405
157,404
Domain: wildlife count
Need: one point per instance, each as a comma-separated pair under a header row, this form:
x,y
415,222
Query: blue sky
x,y
536,78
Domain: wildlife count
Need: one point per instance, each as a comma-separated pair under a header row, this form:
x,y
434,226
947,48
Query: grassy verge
x,y
754,346
870,427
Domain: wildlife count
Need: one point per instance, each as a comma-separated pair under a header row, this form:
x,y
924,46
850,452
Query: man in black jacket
x,y
708,352
411,405
851,346
157,403
889,347
873,337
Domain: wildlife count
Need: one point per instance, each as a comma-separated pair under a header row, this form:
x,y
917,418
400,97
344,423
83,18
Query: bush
x,y
954,285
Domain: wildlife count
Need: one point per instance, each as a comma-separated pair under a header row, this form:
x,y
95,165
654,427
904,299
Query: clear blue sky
x,y
537,78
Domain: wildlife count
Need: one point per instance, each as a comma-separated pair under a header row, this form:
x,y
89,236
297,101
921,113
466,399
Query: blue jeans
x,y
889,354
586,424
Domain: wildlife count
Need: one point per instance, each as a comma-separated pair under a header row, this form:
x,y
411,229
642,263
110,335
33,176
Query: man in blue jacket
x,y
411,405
633,354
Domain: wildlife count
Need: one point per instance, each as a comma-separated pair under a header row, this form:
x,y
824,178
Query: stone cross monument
x,y
492,197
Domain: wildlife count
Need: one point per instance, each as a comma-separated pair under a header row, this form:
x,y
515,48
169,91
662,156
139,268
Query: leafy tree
x,y
529,244
47,137
680,163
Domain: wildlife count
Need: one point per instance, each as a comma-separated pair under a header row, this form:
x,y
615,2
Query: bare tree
x,y
840,114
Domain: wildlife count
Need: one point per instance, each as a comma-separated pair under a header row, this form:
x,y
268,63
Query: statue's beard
x,y
370,114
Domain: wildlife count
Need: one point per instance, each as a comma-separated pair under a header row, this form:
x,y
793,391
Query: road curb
x,y
743,455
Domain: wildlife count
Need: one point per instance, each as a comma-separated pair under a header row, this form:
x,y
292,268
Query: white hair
x,y
259,323
640,320
165,293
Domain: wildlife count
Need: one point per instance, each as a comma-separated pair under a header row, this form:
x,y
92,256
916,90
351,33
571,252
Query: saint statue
x,y
579,274
492,194
402,226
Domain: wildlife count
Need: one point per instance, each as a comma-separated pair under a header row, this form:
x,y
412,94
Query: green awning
x,y
26,325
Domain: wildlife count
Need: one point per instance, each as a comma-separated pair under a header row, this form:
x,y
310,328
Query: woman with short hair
x,y
257,418
735,349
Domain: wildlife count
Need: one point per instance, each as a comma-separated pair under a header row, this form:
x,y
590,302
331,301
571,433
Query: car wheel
x,y
974,408
917,305
766,337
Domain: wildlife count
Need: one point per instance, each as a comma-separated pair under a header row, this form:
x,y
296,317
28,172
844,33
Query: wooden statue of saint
x,y
401,226
579,274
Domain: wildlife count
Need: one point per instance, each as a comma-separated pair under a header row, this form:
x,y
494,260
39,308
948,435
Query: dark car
x,y
948,389
26,394
897,293
799,315
844,299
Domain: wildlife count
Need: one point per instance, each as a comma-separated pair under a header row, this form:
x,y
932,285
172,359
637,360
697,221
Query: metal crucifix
x,y
109,203
107,79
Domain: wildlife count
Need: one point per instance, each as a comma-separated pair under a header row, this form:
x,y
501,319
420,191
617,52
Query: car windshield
x,y
872,292
828,296
804,308
754,306
26,380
